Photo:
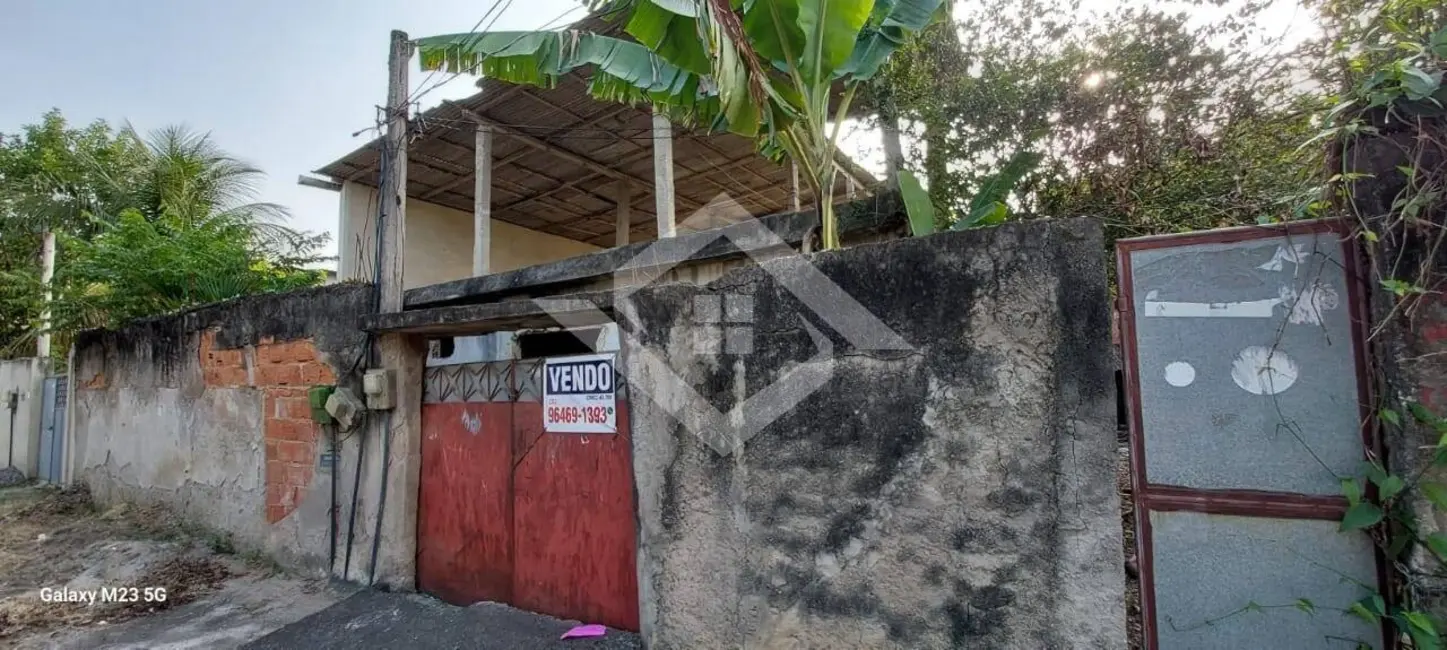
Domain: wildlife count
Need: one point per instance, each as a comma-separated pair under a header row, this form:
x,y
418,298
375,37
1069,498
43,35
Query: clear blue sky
x,y
282,84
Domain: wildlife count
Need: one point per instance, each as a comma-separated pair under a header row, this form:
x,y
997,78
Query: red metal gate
x,y
507,513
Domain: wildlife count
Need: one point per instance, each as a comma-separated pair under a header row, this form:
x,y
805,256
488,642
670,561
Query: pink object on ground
x,y
585,631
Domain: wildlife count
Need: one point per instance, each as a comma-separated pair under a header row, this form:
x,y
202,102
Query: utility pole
x,y
394,548
393,191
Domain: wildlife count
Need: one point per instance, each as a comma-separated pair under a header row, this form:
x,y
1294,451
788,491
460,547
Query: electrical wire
x,y
420,92
548,25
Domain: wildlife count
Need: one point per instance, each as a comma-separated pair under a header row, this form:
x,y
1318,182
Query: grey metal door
x,y
52,428
1246,380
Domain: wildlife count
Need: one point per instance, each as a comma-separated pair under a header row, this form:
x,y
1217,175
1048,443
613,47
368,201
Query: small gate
x,y
508,513
1244,376
52,429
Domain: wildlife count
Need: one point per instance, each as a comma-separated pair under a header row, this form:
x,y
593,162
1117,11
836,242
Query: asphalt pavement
x,y
375,619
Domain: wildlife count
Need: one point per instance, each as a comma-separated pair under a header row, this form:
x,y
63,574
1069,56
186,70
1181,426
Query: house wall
x,y
26,378
439,241
956,493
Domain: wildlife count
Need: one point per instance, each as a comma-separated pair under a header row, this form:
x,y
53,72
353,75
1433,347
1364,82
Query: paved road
x,y
373,619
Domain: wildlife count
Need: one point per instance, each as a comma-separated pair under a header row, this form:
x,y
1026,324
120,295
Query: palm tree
x,y
183,178
782,71
167,222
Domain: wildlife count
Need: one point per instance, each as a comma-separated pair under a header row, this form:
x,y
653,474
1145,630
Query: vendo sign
x,y
579,395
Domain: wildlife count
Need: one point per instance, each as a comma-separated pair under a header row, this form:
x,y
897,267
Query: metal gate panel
x,y
508,513
52,429
464,503
1244,377
574,522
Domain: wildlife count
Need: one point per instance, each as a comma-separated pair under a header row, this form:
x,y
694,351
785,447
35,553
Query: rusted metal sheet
x,y
508,513
464,518
574,525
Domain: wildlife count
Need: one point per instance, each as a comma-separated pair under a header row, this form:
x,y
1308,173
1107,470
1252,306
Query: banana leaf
x,y
623,71
673,37
830,28
916,204
890,24
988,208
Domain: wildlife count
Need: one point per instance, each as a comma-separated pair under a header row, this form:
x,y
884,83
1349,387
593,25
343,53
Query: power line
x,y
506,5
491,11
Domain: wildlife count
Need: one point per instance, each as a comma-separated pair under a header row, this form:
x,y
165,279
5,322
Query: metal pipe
x,y
331,430
352,516
12,402
382,503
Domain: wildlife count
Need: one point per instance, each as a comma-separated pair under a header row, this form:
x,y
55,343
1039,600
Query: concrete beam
x,y
878,213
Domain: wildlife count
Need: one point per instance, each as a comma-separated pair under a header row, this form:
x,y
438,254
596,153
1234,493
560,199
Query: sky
x,y
281,84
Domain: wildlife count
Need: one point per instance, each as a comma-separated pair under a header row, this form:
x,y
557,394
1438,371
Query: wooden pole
x,y
482,202
47,273
393,196
663,174
395,472
625,213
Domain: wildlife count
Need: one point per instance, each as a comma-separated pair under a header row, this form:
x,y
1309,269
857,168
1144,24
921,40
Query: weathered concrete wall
x,y
206,412
25,378
959,494
1409,341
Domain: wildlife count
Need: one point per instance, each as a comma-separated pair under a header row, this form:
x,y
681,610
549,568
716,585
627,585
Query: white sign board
x,y
579,395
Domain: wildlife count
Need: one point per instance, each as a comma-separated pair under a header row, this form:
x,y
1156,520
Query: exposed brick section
x,y
221,368
282,371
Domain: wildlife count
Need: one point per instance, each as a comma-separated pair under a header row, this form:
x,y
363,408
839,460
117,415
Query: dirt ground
x,y
55,538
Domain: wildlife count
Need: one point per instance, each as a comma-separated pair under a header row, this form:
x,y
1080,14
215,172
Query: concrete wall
x,y
26,378
958,494
206,412
439,241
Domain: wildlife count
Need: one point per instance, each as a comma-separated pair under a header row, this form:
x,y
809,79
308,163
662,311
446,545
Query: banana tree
x,y
781,71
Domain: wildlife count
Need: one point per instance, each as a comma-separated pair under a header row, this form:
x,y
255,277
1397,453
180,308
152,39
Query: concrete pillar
x,y
482,202
663,175
625,213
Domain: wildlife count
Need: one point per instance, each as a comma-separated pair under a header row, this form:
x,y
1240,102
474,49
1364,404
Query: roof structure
x,y
559,157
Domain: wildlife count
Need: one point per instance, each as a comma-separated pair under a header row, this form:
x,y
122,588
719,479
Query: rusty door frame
x,y
1253,503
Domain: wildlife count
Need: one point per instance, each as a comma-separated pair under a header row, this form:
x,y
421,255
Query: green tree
x,y
137,267
120,206
1148,120
783,71
51,181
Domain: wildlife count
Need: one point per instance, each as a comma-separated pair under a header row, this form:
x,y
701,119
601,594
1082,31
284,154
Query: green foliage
x,y
137,267
143,226
1388,59
1361,516
782,71
916,204
1144,119
987,207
